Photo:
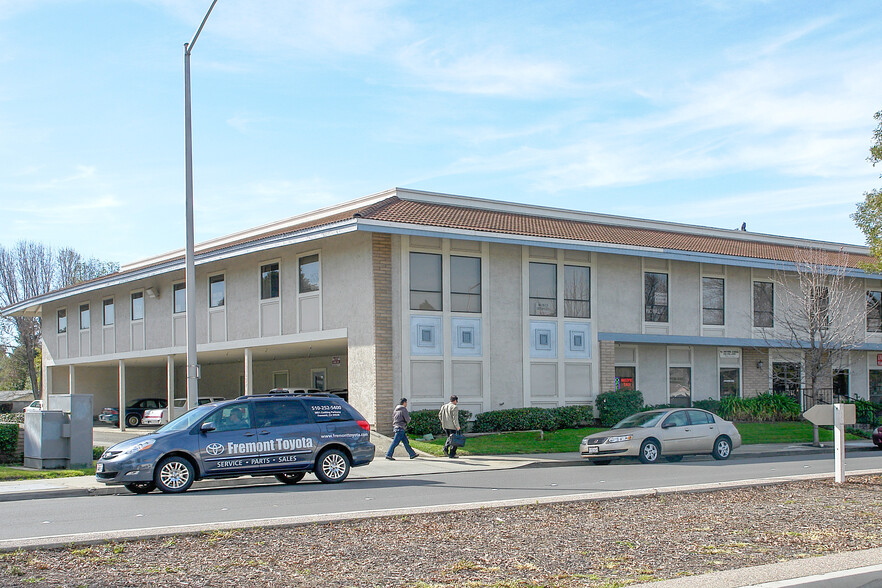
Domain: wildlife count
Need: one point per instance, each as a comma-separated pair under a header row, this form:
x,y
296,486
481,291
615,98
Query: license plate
x,y
593,449
99,468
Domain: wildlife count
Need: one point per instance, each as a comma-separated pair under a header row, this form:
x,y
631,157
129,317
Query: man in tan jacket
x,y
449,415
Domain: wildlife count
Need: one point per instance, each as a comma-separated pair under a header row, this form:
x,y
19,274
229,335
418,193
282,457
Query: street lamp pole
x,y
190,272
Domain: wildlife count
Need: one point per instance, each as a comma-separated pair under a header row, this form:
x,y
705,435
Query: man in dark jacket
x,y
400,418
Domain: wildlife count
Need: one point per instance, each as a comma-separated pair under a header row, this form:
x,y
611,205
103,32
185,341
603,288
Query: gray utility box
x,y
62,437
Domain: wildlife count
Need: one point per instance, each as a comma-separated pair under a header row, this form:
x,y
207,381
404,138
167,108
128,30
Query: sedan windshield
x,y
641,419
187,419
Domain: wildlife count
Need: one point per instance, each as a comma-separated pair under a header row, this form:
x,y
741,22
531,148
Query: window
x,y
269,281
180,296
84,317
327,411
763,304
280,379
681,386
840,385
876,386
234,417
279,413
425,281
216,291
655,287
108,312
543,289
699,417
712,301
787,379
465,284
577,291
874,312
820,304
626,378
309,273
730,382
137,306
62,321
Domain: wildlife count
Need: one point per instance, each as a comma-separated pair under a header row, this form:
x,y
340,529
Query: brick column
x,y
607,366
382,266
754,380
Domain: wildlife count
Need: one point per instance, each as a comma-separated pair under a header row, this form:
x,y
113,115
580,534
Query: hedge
x,y
8,442
516,419
425,422
573,417
12,417
615,405
767,407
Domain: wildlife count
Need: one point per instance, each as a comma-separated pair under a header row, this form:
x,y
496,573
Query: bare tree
x,y
73,268
26,271
819,313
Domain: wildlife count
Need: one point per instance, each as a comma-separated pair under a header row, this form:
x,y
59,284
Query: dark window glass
x,y
676,419
137,306
425,281
279,413
543,289
84,317
269,281
876,386
730,382
180,295
217,291
232,417
840,384
821,306
62,321
465,284
327,411
699,417
655,287
108,313
577,291
787,379
626,378
309,273
713,301
874,312
763,304
681,386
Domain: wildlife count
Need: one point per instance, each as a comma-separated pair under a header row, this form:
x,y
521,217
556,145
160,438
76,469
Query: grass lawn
x,y
11,473
567,440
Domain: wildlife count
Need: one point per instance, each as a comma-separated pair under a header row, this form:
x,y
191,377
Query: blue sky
x,y
711,113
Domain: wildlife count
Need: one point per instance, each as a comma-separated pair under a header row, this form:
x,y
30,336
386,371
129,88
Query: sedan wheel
x,y
649,451
132,420
140,487
332,466
290,478
174,475
722,448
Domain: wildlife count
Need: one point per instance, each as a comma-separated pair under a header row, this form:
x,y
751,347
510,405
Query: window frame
x,y
650,309
59,314
469,294
213,279
411,290
554,295
137,295
104,305
179,287
261,283
88,308
318,262
705,309
756,311
566,300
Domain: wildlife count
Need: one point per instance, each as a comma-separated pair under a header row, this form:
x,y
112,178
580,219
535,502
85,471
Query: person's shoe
x,y
414,456
445,450
390,458
453,456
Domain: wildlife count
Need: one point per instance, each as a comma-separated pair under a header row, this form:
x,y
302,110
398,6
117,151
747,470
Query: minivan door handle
x,y
264,432
248,435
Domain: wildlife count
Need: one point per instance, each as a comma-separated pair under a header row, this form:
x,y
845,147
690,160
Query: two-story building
x,y
424,295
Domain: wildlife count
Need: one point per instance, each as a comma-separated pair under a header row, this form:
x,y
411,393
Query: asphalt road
x,y
65,516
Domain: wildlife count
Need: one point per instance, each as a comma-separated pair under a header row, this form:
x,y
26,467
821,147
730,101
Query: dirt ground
x,y
600,543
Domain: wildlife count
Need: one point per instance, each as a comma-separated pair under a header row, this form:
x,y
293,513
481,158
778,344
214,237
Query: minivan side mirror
x,y
207,427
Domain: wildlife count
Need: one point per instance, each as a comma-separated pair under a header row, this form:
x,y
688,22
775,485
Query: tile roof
x,y
397,210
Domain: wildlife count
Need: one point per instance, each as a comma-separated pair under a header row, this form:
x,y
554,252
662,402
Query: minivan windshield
x,y
188,418
641,419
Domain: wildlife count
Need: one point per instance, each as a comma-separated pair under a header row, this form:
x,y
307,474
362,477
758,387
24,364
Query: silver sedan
x,y
671,433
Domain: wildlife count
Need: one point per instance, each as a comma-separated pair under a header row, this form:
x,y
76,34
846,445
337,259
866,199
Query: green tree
x,y
868,216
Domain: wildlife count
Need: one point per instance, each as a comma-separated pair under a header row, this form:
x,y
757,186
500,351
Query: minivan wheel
x,y
174,475
722,448
332,466
649,451
133,420
290,478
140,487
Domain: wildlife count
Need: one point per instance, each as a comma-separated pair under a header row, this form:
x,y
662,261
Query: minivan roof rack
x,y
291,392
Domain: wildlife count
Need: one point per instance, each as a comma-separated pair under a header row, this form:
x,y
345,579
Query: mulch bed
x,y
600,543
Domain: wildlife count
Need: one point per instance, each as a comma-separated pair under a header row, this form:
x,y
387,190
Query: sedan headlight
x,y
618,439
146,444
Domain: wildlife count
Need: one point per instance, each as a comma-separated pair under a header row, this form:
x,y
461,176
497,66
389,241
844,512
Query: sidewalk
x,y
382,468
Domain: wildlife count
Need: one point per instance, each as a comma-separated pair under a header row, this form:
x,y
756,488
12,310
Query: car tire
x,y
174,475
674,458
722,448
650,451
290,478
332,466
133,420
140,487
601,461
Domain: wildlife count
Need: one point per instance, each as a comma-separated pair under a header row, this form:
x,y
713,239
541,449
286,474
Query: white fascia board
x,y
33,306
623,221
597,247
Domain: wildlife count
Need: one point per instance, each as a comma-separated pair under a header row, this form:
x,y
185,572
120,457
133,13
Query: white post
x,y
122,395
249,372
839,442
73,379
170,387
47,386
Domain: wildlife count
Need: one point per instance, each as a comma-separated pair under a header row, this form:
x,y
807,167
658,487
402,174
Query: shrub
x,y
97,451
424,422
868,413
767,407
615,405
8,442
710,404
13,417
516,419
573,417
